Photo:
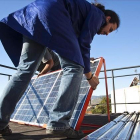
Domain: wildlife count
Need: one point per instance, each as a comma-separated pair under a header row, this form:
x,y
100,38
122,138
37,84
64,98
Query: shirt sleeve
x,y
47,56
95,19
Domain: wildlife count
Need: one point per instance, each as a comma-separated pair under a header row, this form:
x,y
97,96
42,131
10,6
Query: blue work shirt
x,y
65,26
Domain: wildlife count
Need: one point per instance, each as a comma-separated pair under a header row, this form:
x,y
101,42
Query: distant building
x,y
127,99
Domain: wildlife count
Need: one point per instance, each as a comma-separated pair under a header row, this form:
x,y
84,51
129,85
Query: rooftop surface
x,y
26,132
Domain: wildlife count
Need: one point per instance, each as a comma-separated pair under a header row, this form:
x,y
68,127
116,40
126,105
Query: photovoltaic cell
x,y
41,94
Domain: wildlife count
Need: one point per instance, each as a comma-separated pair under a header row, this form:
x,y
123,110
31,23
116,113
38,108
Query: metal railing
x,y
108,70
113,82
8,75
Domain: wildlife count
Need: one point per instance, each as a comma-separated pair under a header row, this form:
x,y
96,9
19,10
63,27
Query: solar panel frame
x,y
89,94
81,107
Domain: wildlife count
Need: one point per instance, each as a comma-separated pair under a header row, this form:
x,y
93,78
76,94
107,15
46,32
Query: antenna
x,y
137,75
136,71
95,1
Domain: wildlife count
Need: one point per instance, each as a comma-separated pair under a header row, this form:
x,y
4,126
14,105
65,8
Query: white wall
x,y
126,95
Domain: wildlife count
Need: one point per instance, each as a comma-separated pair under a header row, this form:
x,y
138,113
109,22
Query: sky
x,y
121,48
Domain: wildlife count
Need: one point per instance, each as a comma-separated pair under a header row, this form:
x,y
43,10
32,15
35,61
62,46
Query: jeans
x,y
31,56
67,95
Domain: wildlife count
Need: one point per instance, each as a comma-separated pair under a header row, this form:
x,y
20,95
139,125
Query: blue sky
x,y
119,49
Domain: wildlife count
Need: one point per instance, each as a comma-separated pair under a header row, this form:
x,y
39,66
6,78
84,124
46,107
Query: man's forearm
x,y
47,67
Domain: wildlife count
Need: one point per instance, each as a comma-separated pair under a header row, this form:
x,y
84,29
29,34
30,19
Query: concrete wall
x,y
126,95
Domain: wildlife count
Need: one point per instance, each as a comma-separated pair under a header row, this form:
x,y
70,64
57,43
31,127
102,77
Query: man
x,y
66,27
49,63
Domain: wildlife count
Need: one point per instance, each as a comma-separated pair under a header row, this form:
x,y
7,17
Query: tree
x,y
102,107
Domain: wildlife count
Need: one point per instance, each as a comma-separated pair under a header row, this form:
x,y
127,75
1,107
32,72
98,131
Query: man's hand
x,y
47,68
39,74
92,58
93,80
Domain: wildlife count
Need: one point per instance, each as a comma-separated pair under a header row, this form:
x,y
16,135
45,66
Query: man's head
x,y
112,20
111,24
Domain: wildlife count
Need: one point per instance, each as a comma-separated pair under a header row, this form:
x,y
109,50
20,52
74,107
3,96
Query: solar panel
x,y
121,128
35,105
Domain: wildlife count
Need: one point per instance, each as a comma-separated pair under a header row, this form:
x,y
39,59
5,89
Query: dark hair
x,y
114,17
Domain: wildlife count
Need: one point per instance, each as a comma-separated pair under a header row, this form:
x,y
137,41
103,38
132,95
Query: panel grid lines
x,y
22,100
79,112
49,94
35,105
